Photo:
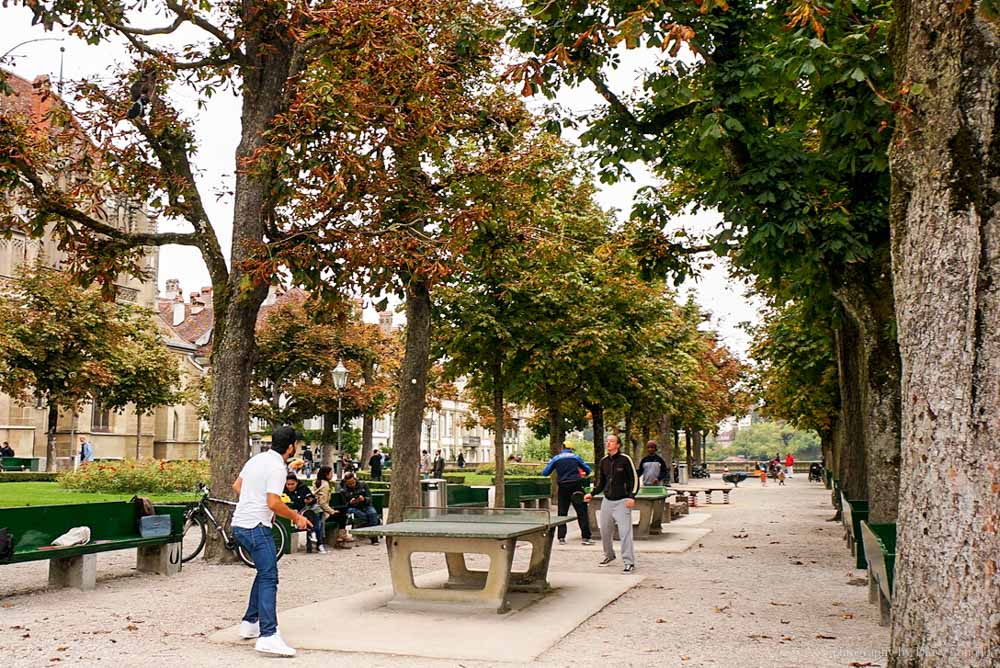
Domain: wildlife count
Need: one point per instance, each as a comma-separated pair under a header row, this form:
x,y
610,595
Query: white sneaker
x,y
321,549
274,645
249,630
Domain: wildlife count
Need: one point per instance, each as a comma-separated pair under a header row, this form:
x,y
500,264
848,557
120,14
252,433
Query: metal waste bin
x,y
434,493
682,474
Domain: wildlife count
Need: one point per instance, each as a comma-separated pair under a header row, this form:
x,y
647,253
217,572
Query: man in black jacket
x,y
617,479
376,465
359,502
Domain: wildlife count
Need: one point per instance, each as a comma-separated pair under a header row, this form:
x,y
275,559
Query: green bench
x,y
112,527
879,541
19,463
462,496
853,512
528,493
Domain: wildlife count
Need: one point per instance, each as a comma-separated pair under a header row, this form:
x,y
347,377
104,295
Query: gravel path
x,y
783,595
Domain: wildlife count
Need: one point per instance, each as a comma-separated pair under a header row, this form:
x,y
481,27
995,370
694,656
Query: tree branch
x,y
50,203
649,127
166,30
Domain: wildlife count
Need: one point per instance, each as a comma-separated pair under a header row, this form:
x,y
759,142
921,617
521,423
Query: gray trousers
x,y
615,512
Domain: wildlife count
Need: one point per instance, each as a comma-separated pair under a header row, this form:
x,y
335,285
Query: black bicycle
x,y
196,522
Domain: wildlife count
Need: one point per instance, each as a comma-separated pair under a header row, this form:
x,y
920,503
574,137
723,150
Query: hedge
x,y
27,476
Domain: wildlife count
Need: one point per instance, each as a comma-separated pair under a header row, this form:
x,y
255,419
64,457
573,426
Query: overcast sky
x,y
218,132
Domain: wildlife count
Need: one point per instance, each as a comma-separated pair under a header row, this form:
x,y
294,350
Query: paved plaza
x,y
766,581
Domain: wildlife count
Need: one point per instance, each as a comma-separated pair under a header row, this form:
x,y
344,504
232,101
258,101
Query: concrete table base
x,y
465,586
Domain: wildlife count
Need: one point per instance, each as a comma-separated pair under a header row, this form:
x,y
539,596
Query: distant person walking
x,y
617,479
570,470
375,463
437,468
260,486
87,451
789,464
425,464
461,460
763,475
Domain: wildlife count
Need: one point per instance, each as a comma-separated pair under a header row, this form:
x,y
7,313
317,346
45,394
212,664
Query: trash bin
x,y
434,493
682,474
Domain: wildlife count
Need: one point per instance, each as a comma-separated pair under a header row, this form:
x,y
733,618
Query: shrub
x,y
511,469
131,477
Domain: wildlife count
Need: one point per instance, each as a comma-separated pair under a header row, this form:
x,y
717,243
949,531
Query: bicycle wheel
x,y
194,537
280,540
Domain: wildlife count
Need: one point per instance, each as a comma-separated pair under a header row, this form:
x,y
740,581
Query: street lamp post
x,y
340,382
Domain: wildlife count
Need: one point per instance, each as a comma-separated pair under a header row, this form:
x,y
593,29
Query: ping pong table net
x,y
482,515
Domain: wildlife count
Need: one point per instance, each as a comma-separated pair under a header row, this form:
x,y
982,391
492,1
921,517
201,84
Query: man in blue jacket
x,y
570,470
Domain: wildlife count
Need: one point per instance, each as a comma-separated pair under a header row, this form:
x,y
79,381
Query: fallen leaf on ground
x,y
862,664
823,636
758,636
847,616
785,621
132,627
62,649
8,605
784,604
742,534
775,542
54,659
858,582
685,658
797,563
722,609
787,638
750,547
26,635
661,620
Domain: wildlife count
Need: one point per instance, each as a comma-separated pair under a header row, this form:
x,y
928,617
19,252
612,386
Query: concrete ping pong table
x,y
457,532
651,504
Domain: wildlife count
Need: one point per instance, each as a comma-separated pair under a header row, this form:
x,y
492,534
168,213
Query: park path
x,y
772,585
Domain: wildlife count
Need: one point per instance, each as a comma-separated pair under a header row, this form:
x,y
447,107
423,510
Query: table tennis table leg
x,y
592,510
480,589
536,577
656,521
645,508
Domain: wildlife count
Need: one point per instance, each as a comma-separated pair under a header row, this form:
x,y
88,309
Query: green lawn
x,y
14,494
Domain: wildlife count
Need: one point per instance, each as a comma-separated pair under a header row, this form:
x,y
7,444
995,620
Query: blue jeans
x,y
263,605
369,514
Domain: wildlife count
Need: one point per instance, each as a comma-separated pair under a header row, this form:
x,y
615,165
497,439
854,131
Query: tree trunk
x,y
138,434
275,405
367,433
647,436
869,306
687,448
555,427
367,420
696,454
946,269
665,441
626,445
851,471
238,295
412,400
498,427
597,421
326,439
50,444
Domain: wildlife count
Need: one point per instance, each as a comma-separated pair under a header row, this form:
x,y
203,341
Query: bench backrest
x,y
467,495
35,526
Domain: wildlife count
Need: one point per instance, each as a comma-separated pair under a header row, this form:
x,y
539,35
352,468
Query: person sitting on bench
x,y
359,502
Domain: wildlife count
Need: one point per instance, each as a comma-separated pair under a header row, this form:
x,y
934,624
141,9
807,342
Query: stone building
x,y
170,433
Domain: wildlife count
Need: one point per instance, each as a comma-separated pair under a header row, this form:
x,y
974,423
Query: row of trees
x,y
784,118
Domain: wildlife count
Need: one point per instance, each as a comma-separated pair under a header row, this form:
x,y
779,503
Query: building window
x,y
177,426
101,418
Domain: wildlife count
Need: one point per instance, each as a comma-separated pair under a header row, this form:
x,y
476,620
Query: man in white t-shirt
x,y
260,486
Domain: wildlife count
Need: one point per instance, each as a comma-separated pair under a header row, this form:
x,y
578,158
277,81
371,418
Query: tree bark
x,y
329,419
851,471
696,454
945,219
687,448
555,427
238,295
869,306
627,445
412,401
138,434
597,417
498,427
50,443
665,441
367,420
